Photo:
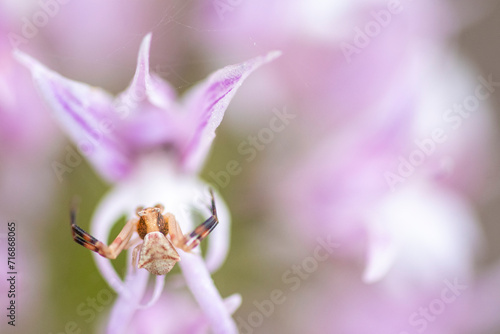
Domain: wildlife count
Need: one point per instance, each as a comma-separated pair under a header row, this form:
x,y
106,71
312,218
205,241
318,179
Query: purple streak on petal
x,y
206,104
204,291
205,117
85,113
64,103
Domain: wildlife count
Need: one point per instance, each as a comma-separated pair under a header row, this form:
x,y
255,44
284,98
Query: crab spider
x,y
157,252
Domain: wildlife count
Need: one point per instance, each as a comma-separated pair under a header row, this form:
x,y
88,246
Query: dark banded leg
x,y
88,241
189,241
199,233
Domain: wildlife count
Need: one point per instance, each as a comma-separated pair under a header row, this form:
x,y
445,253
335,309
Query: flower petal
x,y
127,304
201,285
218,242
420,234
233,302
170,315
144,86
159,285
206,104
382,253
86,113
114,205
146,107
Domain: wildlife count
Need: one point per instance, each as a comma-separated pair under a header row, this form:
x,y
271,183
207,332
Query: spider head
x,y
151,220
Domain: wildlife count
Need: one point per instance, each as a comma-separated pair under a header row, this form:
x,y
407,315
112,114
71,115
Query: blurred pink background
x,y
366,192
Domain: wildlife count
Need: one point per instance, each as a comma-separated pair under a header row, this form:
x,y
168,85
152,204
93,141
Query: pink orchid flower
x,y
152,148
453,305
391,191
340,58
27,137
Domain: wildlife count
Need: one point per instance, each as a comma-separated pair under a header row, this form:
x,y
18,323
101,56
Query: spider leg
x,y
214,210
137,249
193,239
174,230
88,241
132,242
200,233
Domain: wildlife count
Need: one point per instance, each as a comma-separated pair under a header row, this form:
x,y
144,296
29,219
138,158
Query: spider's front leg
x,y
189,241
88,241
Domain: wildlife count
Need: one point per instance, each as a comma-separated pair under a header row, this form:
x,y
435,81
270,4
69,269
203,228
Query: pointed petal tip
x,y
146,41
158,289
272,55
370,278
143,57
233,302
261,60
380,260
26,60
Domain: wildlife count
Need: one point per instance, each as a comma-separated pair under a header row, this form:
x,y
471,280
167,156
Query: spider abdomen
x,y
158,254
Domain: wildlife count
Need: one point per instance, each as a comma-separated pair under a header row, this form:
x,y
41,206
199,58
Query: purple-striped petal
x,y
86,114
206,103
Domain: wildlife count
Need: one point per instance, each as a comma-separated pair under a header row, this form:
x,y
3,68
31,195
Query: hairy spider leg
x,y
135,253
88,241
189,241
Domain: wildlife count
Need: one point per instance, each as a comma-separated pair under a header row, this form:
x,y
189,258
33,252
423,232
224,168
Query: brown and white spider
x,y
157,253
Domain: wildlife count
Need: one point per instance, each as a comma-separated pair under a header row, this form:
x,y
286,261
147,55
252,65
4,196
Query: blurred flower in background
x,y
28,145
357,167
401,146
27,137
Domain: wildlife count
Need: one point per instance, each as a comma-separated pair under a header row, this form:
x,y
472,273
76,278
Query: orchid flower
x,y
152,148
326,44
456,304
25,146
422,229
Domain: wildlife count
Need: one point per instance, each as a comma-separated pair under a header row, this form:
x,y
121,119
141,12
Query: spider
x,y
157,253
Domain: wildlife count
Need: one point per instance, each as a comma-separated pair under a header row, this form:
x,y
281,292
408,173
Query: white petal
x,y
159,285
429,234
206,294
112,207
